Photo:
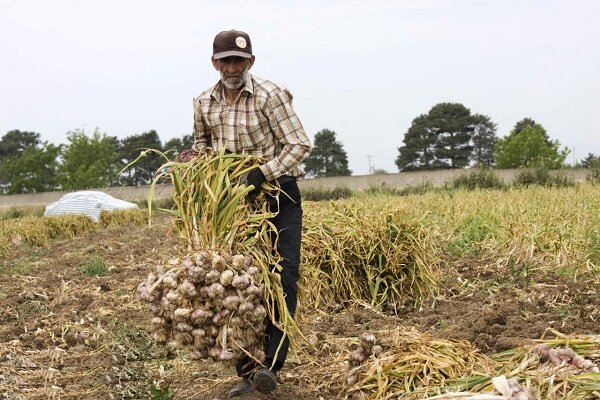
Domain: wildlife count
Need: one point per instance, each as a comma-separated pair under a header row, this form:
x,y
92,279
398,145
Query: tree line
x,y
29,165
448,136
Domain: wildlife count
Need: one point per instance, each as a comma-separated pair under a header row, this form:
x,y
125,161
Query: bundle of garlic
x,y
217,298
210,302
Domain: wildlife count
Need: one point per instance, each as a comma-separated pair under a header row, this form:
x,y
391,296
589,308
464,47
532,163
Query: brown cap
x,y
232,43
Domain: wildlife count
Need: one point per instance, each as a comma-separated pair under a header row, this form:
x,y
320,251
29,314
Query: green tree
x,y
143,170
418,151
444,138
453,126
26,164
327,157
527,149
88,161
34,170
177,145
14,142
484,140
591,161
529,122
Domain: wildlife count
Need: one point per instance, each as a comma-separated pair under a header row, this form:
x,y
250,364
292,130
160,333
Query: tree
x,y
88,162
418,151
591,161
15,141
529,122
26,164
443,138
452,124
177,145
484,139
143,170
327,157
34,170
527,149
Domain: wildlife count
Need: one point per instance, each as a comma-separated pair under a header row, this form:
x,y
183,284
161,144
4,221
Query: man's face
x,y
233,70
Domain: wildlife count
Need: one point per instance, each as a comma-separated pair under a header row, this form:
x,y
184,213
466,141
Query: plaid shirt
x,y
261,122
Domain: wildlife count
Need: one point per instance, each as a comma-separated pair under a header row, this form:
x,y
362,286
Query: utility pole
x,y
371,168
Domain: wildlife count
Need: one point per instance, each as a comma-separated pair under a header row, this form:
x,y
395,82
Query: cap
x,y
232,43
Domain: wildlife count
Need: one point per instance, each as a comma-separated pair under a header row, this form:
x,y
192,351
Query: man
x,y
248,115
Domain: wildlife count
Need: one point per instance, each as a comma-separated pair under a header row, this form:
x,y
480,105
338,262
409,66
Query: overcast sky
x,y
363,69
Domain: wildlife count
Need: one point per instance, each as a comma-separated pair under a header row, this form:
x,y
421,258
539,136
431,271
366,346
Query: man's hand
x,y
186,155
255,178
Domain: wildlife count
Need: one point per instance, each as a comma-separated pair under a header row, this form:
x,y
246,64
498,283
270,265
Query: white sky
x,y
364,69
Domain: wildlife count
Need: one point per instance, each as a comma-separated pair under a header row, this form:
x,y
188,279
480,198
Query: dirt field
x,y
66,335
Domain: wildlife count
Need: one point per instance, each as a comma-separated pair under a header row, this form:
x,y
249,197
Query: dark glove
x,y
255,178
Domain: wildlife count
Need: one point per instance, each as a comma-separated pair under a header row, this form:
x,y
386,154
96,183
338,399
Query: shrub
x,y
374,190
384,190
480,178
473,231
165,203
542,177
22,211
96,266
593,175
323,194
421,188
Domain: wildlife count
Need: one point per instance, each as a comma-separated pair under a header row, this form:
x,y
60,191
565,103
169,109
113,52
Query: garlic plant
x,y
216,298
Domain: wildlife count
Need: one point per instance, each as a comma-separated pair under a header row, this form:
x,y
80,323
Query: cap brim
x,y
233,53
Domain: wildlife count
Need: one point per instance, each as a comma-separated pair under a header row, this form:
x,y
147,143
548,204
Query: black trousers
x,y
289,226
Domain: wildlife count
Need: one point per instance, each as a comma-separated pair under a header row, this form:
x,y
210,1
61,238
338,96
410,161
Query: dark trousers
x,y
289,226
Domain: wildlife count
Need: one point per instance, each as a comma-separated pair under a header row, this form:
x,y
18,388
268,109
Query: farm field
x,y
468,282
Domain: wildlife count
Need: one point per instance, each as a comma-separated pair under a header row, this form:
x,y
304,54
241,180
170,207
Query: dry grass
x,y
55,345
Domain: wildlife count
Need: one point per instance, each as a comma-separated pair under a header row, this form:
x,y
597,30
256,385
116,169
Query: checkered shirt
x,y
261,123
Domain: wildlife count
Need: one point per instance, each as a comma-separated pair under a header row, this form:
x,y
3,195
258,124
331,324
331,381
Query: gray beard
x,y
235,86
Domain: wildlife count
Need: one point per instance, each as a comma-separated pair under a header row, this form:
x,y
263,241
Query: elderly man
x,y
248,115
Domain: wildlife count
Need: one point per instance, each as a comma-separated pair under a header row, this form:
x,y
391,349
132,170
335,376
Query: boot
x,y
242,387
265,381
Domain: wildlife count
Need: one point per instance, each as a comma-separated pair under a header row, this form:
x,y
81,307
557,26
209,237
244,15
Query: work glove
x,y
255,178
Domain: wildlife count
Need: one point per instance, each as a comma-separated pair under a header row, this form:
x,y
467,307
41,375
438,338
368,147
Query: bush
x,y
323,194
374,190
166,203
594,175
22,211
96,266
421,188
479,178
384,190
542,177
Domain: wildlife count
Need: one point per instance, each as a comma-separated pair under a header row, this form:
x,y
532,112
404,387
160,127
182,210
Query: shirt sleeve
x,y
202,137
289,133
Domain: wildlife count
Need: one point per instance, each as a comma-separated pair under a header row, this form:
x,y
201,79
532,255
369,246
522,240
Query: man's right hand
x,y
186,155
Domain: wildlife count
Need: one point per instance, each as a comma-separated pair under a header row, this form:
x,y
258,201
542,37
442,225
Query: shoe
x,y
265,381
242,387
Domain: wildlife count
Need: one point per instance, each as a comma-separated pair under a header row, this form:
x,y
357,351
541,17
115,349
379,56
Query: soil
x,y
67,335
